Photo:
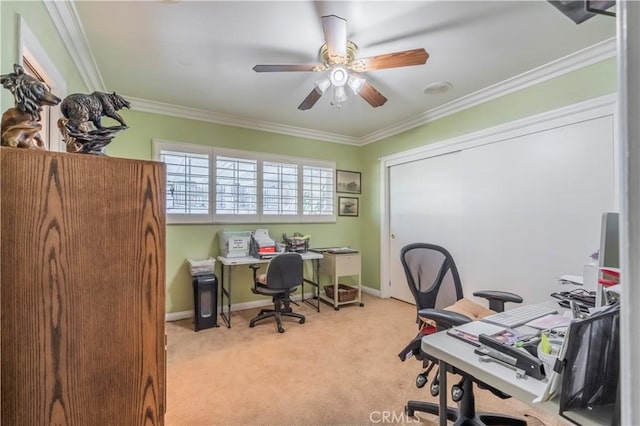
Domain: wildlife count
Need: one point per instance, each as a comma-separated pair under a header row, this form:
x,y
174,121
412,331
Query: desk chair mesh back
x,y
284,273
435,283
432,275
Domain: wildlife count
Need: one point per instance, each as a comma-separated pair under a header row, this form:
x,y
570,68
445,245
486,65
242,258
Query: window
x,y
187,182
246,187
279,188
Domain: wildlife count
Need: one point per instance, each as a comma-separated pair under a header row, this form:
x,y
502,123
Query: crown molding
x,y
154,107
580,59
65,19
67,22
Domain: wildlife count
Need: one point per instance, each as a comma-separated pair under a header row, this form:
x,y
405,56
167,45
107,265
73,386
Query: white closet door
x,y
535,204
515,213
424,197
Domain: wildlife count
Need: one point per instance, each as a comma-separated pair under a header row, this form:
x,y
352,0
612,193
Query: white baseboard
x,y
176,316
371,291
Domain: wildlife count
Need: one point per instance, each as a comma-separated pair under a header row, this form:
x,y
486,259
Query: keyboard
x,y
520,316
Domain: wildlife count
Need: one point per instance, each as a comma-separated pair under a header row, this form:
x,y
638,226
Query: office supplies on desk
x,y
590,362
522,360
571,279
298,243
234,243
262,246
549,321
584,300
335,250
520,316
471,331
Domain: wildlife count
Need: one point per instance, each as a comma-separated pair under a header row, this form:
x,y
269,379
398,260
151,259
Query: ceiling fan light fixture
x,y
355,83
338,96
338,76
322,85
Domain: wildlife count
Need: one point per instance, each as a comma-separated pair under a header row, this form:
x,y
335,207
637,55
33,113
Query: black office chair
x,y
284,273
434,281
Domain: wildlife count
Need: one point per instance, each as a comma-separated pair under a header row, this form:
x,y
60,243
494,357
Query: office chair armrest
x,y
443,318
255,268
497,298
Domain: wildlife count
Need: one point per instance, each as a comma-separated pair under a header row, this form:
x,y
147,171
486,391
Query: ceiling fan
x,y
338,56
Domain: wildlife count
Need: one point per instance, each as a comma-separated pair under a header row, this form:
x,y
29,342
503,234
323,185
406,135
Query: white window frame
x,y
213,152
29,48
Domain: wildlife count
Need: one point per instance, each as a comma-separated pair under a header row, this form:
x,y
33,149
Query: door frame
x,y
593,108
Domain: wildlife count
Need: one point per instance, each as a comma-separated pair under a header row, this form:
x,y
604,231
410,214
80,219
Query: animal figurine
x,y
20,130
20,126
80,109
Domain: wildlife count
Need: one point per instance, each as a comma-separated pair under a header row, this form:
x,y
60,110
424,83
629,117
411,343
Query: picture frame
x,y
348,182
348,206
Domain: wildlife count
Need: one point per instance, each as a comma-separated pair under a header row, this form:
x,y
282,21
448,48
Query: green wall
x,y
363,232
200,241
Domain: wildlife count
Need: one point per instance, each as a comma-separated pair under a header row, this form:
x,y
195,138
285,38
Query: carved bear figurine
x,y
80,109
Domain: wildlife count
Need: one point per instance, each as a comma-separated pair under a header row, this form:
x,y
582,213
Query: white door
x,y
515,214
421,194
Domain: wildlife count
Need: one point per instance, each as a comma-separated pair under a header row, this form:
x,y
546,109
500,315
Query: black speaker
x,y
205,296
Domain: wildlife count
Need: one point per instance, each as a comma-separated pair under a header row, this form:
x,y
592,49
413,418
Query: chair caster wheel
x,y
421,380
435,389
361,305
301,321
252,325
337,308
456,393
280,330
408,412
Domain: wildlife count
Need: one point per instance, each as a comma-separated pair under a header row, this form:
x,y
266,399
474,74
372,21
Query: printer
x,y
262,246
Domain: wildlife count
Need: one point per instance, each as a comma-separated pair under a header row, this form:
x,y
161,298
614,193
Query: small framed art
x,y
347,206
347,181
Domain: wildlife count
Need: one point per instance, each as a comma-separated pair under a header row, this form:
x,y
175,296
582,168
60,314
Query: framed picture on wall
x,y
347,181
347,206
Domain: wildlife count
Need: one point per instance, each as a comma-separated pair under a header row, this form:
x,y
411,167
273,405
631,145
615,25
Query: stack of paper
x,y
571,279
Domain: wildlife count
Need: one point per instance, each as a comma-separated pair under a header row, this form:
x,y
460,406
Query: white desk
x,y
460,355
228,263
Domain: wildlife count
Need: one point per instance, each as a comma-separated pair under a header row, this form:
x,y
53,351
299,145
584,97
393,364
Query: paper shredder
x,y
205,295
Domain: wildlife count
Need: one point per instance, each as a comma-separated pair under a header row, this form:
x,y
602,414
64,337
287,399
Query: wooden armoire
x,y
82,299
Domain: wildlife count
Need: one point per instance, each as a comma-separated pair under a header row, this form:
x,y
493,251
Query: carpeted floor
x,y
339,368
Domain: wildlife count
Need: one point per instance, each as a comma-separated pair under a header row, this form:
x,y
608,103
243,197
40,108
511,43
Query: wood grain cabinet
x,y
82,298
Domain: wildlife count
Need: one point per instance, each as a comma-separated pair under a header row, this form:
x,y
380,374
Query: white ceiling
x,y
197,56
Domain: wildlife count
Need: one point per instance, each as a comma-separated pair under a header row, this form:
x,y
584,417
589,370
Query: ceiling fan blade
x,y
371,95
394,60
276,68
310,100
335,34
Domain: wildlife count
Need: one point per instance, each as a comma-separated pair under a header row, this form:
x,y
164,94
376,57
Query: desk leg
x,y
315,283
442,406
225,292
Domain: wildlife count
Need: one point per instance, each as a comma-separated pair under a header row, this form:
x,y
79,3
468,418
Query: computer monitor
x,y
609,256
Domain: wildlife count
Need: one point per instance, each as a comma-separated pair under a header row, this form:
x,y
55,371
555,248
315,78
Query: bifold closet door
x,y
424,196
515,213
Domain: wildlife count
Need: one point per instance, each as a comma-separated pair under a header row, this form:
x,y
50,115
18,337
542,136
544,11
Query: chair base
x,y
453,414
465,414
272,313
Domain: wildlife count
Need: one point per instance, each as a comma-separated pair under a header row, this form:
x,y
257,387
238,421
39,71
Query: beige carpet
x,y
339,368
